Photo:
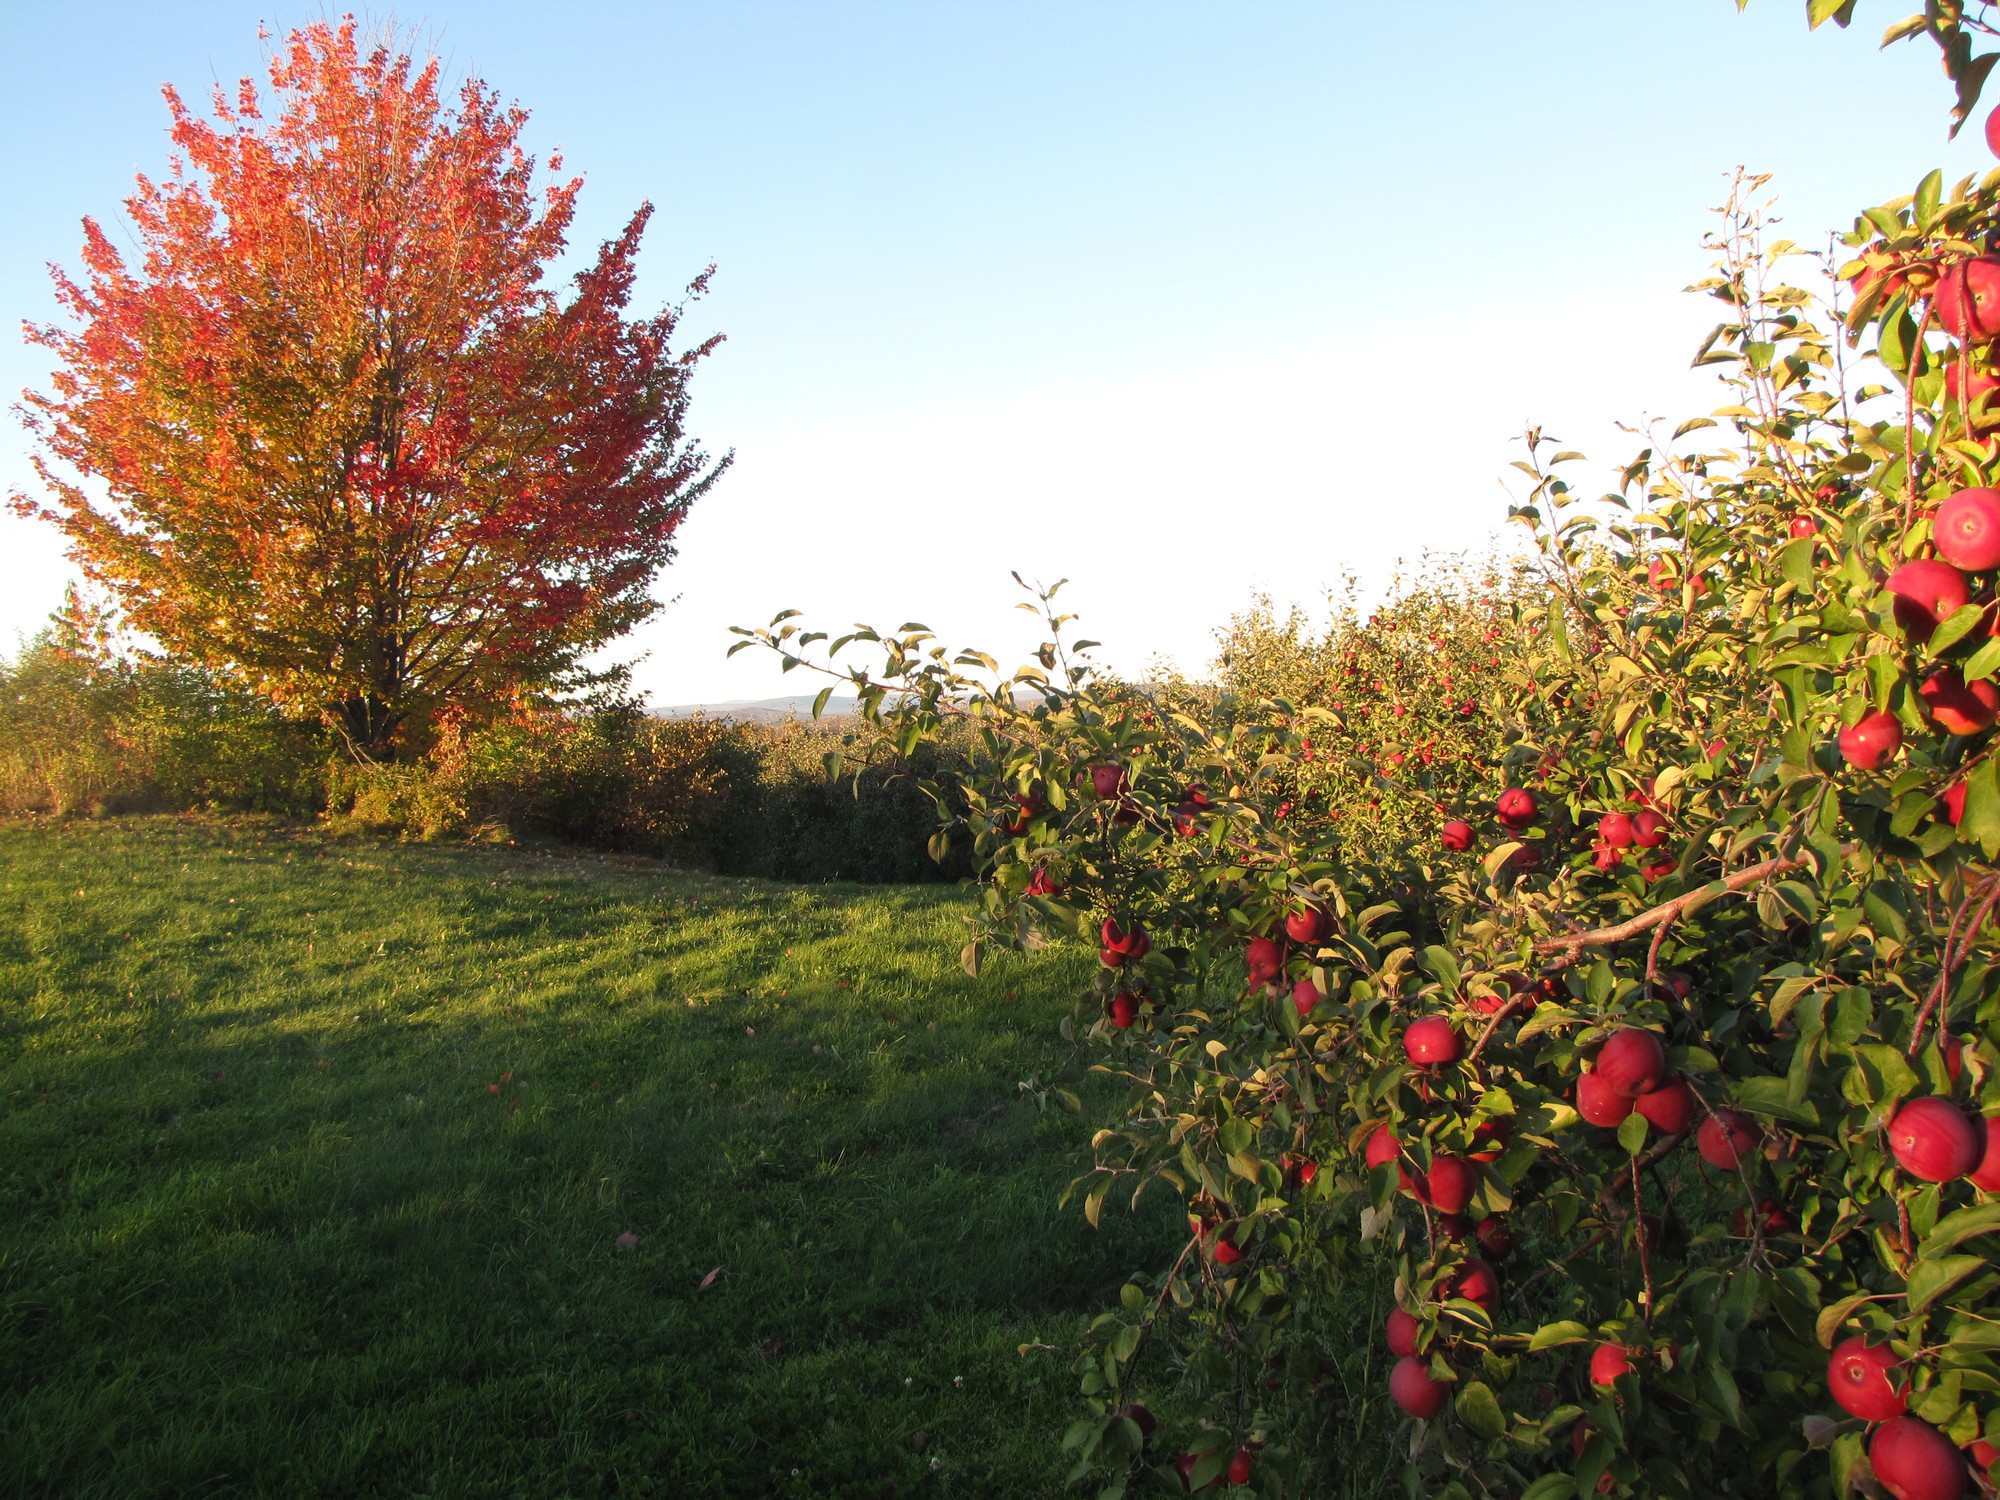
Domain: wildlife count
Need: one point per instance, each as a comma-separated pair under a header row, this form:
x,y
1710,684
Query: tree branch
x,y
1604,937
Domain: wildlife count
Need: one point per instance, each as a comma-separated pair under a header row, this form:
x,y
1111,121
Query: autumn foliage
x,y
332,432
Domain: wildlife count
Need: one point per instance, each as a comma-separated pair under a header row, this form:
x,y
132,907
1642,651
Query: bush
x,y
742,799
84,729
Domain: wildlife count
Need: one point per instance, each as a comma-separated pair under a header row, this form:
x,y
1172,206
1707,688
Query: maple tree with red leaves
x,y
333,435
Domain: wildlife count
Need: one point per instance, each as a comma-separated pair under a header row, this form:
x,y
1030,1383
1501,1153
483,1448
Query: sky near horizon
x,y
1186,304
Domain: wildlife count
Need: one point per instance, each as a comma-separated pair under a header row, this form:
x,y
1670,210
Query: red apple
x,y
1986,1176
1140,1417
1121,947
1265,959
1517,807
1300,1171
1402,1332
1477,1282
1411,1387
1608,1362
1649,829
1607,857
1309,926
1861,1376
1383,1148
1953,803
1927,594
1993,132
1124,1010
1957,706
1600,1103
1447,1186
1107,781
1772,1218
1490,1137
1967,299
1966,529
1914,1461
1456,836
1983,383
1934,1141
1305,995
1668,1108
1494,1237
1804,526
1724,1138
1615,829
1239,1467
1227,1252
1872,743
1631,1061
1431,1042
1187,1463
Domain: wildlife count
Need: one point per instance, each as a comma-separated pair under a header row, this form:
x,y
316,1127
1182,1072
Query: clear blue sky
x,y
1179,301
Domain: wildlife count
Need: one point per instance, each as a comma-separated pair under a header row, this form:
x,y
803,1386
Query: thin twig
x,y
1645,1263
1987,895
1653,953
1521,1291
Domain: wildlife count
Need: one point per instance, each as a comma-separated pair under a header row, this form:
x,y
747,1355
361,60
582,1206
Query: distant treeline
x,y
84,731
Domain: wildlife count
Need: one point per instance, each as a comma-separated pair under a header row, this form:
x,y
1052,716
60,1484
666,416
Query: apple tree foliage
x,y
1662,1103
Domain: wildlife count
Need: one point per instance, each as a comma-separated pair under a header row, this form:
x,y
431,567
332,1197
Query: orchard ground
x,y
316,1156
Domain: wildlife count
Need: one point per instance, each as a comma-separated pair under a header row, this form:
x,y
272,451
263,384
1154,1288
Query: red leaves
x,y
341,437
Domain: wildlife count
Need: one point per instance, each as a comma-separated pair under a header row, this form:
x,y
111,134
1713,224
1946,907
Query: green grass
x,y
314,1156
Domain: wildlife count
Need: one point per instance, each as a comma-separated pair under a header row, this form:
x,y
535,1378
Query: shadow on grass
x,y
314,1160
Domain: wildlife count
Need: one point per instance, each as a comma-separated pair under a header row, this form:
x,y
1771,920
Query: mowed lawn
x,y
315,1157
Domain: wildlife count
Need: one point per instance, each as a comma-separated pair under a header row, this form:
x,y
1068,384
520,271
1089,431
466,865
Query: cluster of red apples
x,y
1927,592
1640,833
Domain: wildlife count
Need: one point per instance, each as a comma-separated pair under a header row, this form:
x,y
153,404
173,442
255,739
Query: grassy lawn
x,y
315,1157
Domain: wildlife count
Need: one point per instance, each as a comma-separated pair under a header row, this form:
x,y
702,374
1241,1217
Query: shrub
x,y
740,798
84,728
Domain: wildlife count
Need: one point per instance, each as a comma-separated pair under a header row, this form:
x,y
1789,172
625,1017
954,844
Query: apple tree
x,y
1658,1082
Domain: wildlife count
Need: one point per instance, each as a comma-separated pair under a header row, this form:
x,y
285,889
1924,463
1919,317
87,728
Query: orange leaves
x,y
333,432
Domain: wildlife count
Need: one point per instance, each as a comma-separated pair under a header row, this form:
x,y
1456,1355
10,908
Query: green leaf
x,y
1440,962
1632,1133
1478,1410
1844,1456
1925,206
1960,1225
1931,1279
1984,662
1981,823
1551,1487
1550,1335
1827,1326
1788,994
1962,623
1795,561
1909,26
1772,1096
968,958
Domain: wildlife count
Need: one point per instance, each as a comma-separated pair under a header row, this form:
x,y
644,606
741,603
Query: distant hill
x,y
762,710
